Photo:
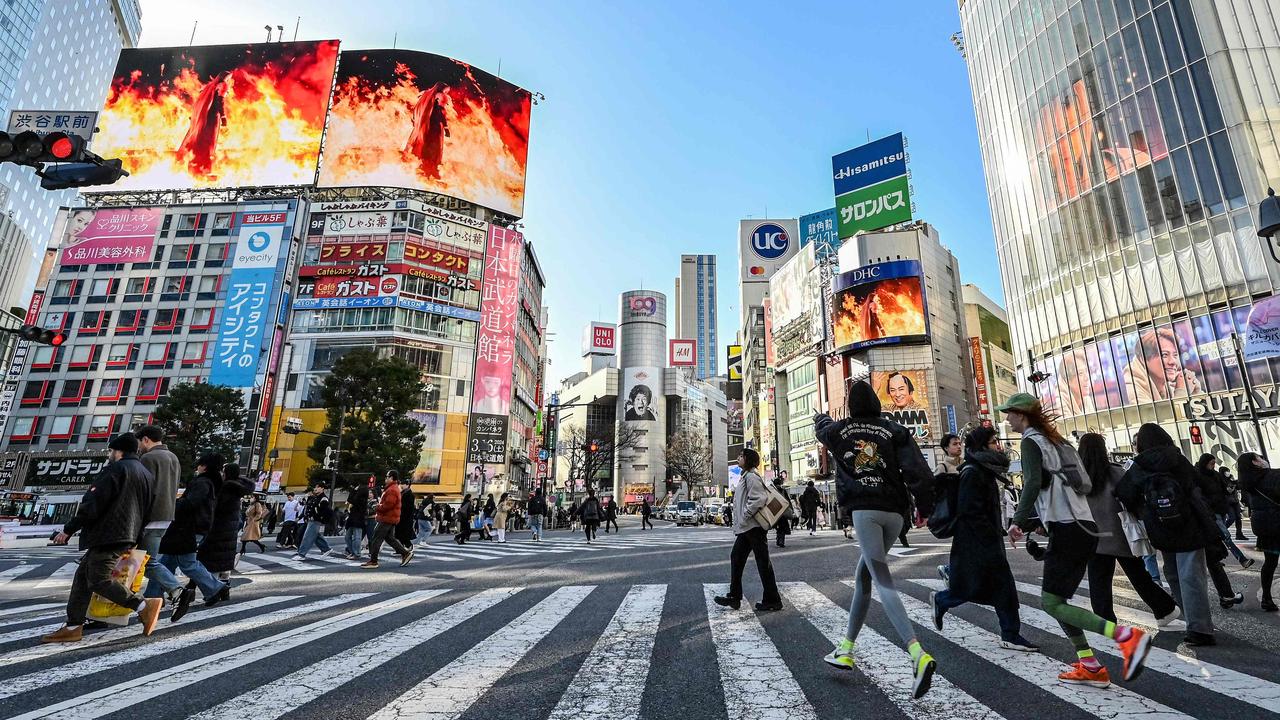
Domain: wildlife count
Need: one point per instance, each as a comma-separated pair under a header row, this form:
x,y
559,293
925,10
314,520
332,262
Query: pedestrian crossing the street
x,y
585,650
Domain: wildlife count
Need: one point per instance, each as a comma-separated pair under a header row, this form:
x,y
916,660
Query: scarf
x,y
994,461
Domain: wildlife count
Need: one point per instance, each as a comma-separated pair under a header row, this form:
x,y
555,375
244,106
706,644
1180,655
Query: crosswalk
x,y
583,650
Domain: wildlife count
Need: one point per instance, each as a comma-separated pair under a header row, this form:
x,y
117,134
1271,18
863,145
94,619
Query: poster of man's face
x,y
639,393
493,395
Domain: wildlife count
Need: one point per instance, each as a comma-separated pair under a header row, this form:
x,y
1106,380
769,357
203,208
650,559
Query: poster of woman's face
x,y
639,392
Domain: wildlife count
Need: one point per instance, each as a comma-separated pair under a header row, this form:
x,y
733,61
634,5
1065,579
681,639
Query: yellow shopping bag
x,y
128,572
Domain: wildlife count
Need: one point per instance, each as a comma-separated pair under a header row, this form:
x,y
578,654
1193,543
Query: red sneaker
x,y
1081,675
1135,652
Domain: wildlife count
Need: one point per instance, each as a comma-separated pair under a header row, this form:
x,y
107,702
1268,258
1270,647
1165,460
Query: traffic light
x,y
593,446
82,174
28,148
1196,437
44,336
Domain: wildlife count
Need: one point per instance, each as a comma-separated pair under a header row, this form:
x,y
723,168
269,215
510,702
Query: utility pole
x,y
337,453
1248,396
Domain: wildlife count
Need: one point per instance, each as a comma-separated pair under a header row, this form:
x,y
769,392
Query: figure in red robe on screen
x,y
430,128
207,116
872,326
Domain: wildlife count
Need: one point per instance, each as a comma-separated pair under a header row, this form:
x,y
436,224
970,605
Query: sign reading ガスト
x,y
245,317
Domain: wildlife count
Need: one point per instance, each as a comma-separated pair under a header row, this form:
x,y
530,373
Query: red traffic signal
x,y
61,147
593,446
29,148
44,336
1196,437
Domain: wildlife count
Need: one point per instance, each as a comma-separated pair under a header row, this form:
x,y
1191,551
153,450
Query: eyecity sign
x,y
871,186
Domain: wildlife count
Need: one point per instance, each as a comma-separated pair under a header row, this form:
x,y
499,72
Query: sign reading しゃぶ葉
x,y
250,289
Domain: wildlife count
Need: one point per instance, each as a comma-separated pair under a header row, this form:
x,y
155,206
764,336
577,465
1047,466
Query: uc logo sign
x,y
769,241
644,306
259,241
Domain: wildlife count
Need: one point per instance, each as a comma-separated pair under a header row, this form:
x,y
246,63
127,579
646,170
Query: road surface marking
x,y
1123,613
58,578
13,572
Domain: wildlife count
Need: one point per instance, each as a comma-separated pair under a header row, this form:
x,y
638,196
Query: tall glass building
x,y
1126,143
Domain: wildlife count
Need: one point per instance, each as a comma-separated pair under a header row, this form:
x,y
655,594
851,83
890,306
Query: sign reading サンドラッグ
x,y
871,186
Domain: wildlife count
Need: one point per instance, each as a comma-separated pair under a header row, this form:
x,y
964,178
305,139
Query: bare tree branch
x,y
688,459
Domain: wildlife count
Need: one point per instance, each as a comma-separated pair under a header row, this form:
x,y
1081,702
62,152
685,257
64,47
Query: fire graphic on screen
x,y
874,311
411,119
224,115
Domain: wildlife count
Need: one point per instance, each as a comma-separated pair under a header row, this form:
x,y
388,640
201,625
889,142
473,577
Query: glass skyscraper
x,y
695,301
1126,143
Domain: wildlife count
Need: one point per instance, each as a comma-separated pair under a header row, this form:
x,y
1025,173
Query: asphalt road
x,y
622,629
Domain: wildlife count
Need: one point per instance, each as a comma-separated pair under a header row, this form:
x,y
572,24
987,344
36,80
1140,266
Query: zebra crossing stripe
x,y
433,555
288,693
169,643
7,575
885,664
35,652
58,578
244,567
1040,670
610,683
1214,678
756,682
332,560
448,692
135,690
1127,615
24,609
286,560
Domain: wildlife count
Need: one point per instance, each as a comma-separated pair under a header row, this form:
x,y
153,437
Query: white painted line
x,y
169,642
286,694
22,610
1124,614
1213,678
452,689
1041,670
610,683
285,559
13,572
756,682
244,567
58,578
885,664
335,560
145,688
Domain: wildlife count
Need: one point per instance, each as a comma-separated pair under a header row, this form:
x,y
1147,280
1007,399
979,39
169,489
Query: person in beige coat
x,y
253,517
500,518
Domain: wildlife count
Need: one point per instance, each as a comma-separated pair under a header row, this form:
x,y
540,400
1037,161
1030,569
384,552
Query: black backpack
x,y
946,494
1167,502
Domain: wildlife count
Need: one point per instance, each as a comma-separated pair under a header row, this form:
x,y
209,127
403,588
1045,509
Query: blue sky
x,y
666,122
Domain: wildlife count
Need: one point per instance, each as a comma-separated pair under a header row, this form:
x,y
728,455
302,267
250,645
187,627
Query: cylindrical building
x,y
1126,145
642,355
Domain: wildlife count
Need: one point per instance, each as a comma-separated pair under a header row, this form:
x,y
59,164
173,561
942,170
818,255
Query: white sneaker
x,y
1167,619
298,557
325,552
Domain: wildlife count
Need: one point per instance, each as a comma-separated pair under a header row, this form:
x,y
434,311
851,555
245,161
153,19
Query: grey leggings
x,y
877,530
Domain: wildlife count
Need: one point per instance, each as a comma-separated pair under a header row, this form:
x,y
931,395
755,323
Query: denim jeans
x,y
190,566
535,524
313,536
1223,525
354,536
424,530
1153,567
1188,583
159,580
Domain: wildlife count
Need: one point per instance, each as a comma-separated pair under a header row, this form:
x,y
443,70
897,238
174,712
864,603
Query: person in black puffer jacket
x,y
1214,487
1161,476
1261,485
192,520
357,518
218,551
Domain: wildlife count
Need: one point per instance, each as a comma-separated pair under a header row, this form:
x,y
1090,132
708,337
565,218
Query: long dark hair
x,y
1096,461
1039,419
1203,463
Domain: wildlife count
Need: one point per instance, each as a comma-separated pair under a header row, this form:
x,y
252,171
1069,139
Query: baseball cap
x,y
1020,401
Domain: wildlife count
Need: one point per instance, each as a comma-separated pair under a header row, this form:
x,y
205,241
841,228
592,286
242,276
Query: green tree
x,y
198,418
370,397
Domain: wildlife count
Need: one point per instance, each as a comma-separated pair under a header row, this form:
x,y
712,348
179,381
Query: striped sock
x,y
1088,660
915,649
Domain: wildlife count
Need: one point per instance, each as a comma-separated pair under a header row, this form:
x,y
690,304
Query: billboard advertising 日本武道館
x,y
403,118
218,115
879,304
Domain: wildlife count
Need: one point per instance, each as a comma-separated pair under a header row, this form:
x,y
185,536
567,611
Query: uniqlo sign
x,y
599,339
682,353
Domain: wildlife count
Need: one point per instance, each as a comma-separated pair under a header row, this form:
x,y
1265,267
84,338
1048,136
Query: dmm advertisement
x,y
904,399
218,115
495,350
115,235
879,304
250,288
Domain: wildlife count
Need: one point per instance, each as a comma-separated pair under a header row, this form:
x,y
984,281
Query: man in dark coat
x,y
218,551
110,520
357,517
192,520
407,527
809,502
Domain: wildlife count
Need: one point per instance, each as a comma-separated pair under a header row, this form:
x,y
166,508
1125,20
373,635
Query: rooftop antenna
x,y
499,67
194,25
279,33
295,28
268,28
395,39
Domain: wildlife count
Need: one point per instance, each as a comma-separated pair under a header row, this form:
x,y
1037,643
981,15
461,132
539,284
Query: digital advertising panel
x,y
820,229
250,287
218,115
403,118
880,304
495,350
599,338
764,246
871,186
114,235
904,399
640,389
787,288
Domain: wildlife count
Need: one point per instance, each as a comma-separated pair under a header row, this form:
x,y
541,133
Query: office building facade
x,y
695,312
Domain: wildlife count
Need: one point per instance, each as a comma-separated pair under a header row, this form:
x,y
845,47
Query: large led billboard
x,y
218,115
904,399
410,119
879,304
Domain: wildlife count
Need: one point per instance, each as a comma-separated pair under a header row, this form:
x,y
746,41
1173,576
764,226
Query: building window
x,y
102,426
166,320
188,222
222,224
63,290
25,428
157,354
207,286
136,287
75,392
215,255
194,353
112,390
131,322
62,427
119,355
203,319
45,357
83,357
99,288
149,389
36,393
94,322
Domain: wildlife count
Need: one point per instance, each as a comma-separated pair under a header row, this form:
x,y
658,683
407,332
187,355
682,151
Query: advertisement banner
x,y
304,303
61,470
218,115
874,207
354,223
764,246
821,230
250,289
495,349
116,235
869,164
363,271
979,376
787,288
443,259
18,362
1262,334
641,387
904,399
682,353
879,304
458,235
598,339
769,358
733,361
345,287
353,252
402,118
643,307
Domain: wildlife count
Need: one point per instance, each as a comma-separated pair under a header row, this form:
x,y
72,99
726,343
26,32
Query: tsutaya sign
x,y
1232,405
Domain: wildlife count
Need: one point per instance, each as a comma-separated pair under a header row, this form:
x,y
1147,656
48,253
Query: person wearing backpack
x,y
1160,488
1261,485
1054,489
878,468
979,569
1114,548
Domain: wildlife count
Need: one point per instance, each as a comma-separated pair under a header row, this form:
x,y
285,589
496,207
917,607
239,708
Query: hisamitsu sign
x,y
871,186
